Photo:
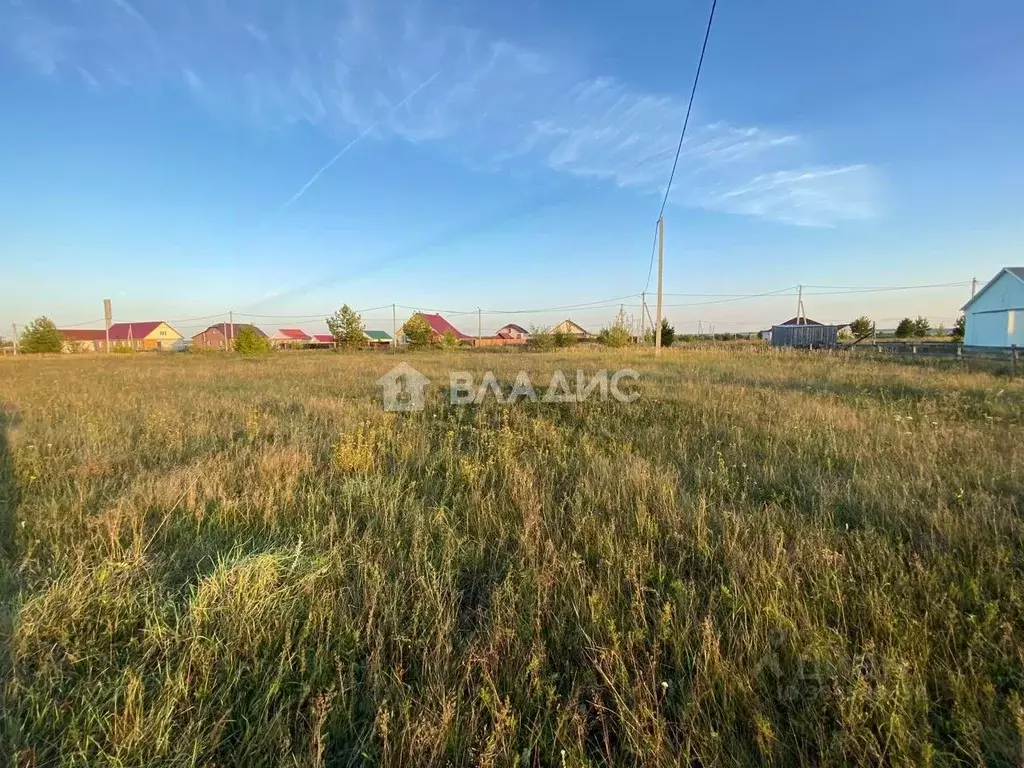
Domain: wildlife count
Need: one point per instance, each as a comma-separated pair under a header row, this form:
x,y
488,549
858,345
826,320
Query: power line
x,y
779,293
319,316
219,315
650,267
79,325
588,304
882,289
682,133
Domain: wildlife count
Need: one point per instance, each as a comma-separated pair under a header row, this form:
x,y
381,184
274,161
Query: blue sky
x,y
280,158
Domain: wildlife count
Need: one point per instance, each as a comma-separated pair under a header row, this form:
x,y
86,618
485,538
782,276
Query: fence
x,y
942,349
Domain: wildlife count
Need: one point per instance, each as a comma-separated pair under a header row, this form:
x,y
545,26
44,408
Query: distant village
x,y
994,317
160,335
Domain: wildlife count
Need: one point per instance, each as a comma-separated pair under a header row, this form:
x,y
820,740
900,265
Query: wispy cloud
x,y
353,69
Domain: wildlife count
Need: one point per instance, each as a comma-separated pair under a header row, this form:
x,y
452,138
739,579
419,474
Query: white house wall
x,y
1005,293
996,317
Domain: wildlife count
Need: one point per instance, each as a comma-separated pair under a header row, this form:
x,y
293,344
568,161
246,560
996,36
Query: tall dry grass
x,y
768,559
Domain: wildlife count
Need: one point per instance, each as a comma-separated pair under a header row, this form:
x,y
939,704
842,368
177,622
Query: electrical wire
x,y
591,304
682,133
600,304
882,289
782,292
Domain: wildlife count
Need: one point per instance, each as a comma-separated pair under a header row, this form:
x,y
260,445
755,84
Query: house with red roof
x,y
150,335
83,339
222,335
439,328
290,337
322,340
512,331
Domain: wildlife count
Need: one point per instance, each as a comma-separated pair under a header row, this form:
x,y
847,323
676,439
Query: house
x,y
222,335
290,337
151,335
322,340
577,330
439,328
995,315
83,339
800,321
803,332
512,331
378,338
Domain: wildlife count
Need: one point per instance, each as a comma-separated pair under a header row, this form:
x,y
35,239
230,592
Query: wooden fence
x,y
943,349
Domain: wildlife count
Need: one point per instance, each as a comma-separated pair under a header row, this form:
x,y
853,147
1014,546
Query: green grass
x,y
768,559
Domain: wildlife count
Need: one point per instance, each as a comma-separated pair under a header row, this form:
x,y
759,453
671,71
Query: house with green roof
x,y
378,338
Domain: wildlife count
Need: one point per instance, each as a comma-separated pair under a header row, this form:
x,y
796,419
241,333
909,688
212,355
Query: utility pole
x,y
394,329
643,309
799,304
479,324
14,337
974,286
108,316
231,328
661,264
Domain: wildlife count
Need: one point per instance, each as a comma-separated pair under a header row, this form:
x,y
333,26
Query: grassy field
x,y
767,559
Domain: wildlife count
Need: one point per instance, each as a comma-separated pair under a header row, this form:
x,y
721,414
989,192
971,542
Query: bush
x,y
616,336
449,340
564,339
417,332
668,333
540,340
959,328
346,326
249,341
41,337
905,329
862,327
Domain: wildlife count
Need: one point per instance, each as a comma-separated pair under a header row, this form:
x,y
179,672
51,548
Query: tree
x,y
449,340
540,339
41,336
668,333
346,326
417,332
616,336
959,328
249,341
862,327
922,327
905,329
564,339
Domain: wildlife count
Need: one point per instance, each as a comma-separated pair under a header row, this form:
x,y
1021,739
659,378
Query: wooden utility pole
x,y
643,309
14,337
661,264
231,328
108,316
974,286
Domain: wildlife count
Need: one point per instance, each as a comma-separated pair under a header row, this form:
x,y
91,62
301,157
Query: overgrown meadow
x,y
768,559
